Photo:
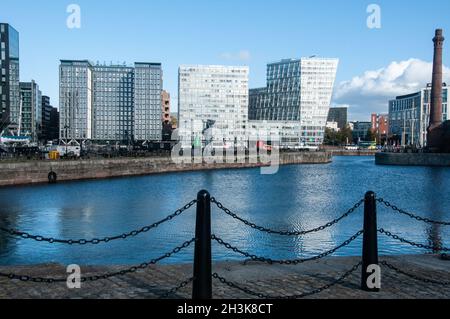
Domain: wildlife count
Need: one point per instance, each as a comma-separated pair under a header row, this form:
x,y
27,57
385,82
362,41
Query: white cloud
x,y
371,91
243,55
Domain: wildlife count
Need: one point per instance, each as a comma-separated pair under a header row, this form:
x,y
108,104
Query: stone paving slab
x,y
273,280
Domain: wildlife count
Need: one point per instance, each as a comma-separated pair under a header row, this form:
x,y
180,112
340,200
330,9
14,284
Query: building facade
x,y
50,121
212,96
110,103
360,130
165,107
30,110
380,127
9,77
298,91
409,116
338,115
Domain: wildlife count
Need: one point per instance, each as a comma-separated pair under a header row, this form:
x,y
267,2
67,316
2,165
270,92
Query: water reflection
x,y
297,198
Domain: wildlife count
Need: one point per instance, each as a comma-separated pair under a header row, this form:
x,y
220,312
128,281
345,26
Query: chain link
x,y
285,233
122,272
405,241
97,241
175,289
303,295
413,216
285,262
413,276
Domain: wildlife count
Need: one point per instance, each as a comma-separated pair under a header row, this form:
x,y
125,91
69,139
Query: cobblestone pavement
x,y
270,280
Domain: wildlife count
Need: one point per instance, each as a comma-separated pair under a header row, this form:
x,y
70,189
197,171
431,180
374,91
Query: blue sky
x,y
237,32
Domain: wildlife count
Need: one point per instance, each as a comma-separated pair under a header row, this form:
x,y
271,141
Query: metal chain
x,y
303,295
286,233
97,241
285,262
175,289
413,216
132,269
415,277
405,241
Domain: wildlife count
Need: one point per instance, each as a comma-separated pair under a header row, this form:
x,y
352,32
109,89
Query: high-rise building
x,y
148,85
9,77
338,115
298,93
50,121
409,116
110,103
30,110
212,96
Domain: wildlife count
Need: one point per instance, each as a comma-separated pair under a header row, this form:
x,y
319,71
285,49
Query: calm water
x,y
297,198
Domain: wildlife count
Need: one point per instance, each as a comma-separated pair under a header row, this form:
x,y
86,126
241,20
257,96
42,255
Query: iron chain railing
x,y
411,215
414,276
175,289
411,243
286,233
285,262
96,241
201,281
133,269
299,296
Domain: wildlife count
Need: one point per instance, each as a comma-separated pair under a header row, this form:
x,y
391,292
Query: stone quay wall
x,y
413,159
34,172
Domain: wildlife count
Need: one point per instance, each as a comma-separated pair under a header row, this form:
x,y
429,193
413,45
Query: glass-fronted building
x,y
213,96
9,77
110,103
409,116
298,91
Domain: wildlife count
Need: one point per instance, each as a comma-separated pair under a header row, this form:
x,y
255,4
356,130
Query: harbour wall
x,y
34,172
413,159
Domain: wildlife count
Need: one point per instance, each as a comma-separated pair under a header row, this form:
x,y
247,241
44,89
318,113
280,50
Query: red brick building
x,y
380,127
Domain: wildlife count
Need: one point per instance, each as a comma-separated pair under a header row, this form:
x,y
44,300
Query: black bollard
x,y
370,241
202,285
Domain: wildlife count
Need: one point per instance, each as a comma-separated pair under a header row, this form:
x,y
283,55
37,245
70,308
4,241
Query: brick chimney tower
x,y
436,88
436,131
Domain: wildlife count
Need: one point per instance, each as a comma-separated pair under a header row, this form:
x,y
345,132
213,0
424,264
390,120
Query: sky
x,y
376,64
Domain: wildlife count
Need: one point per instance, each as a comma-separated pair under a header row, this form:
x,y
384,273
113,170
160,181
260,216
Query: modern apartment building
x,y
409,116
9,77
212,96
30,111
110,103
298,93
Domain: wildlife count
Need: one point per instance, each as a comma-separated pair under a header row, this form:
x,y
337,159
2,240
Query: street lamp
x,y
66,128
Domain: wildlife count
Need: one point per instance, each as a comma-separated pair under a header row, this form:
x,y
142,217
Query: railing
x,y
202,269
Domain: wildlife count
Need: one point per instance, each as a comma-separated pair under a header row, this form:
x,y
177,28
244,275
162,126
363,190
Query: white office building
x,y
409,116
110,102
212,96
298,94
